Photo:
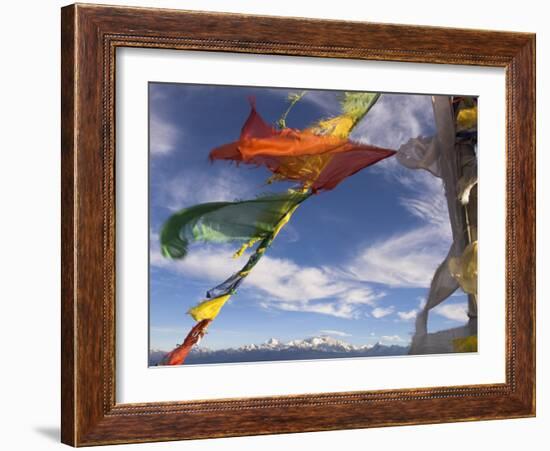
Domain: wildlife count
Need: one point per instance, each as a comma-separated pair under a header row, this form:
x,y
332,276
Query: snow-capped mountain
x,y
324,343
319,347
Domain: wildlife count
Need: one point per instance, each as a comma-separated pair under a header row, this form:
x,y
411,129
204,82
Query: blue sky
x,y
354,262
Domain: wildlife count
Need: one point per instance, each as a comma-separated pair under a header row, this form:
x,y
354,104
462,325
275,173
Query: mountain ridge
x,y
316,347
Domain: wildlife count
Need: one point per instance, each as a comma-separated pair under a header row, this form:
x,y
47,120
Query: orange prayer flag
x,y
318,160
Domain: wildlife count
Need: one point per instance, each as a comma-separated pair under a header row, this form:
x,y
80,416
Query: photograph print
x,y
299,224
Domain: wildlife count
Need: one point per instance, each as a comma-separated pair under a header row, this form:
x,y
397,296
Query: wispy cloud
x,y
317,289
325,308
337,333
225,183
394,119
409,258
392,339
403,260
279,283
206,263
380,312
407,316
453,312
163,133
411,314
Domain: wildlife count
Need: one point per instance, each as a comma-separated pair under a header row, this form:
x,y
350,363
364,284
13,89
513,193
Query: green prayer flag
x,y
222,222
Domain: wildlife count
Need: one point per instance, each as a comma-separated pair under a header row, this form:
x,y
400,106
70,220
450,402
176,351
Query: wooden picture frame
x,y
90,36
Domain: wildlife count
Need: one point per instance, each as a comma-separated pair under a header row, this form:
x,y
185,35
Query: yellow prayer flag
x,y
339,126
466,344
467,119
208,309
464,268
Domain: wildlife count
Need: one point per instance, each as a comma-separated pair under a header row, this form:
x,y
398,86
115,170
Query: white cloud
x,y
163,135
224,183
454,312
430,206
361,296
338,333
407,316
207,263
426,200
392,339
411,314
409,258
165,130
394,119
291,287
324,308
380,312
279,283
288,281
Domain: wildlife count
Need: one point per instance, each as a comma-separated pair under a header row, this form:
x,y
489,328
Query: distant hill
x,y
322,347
